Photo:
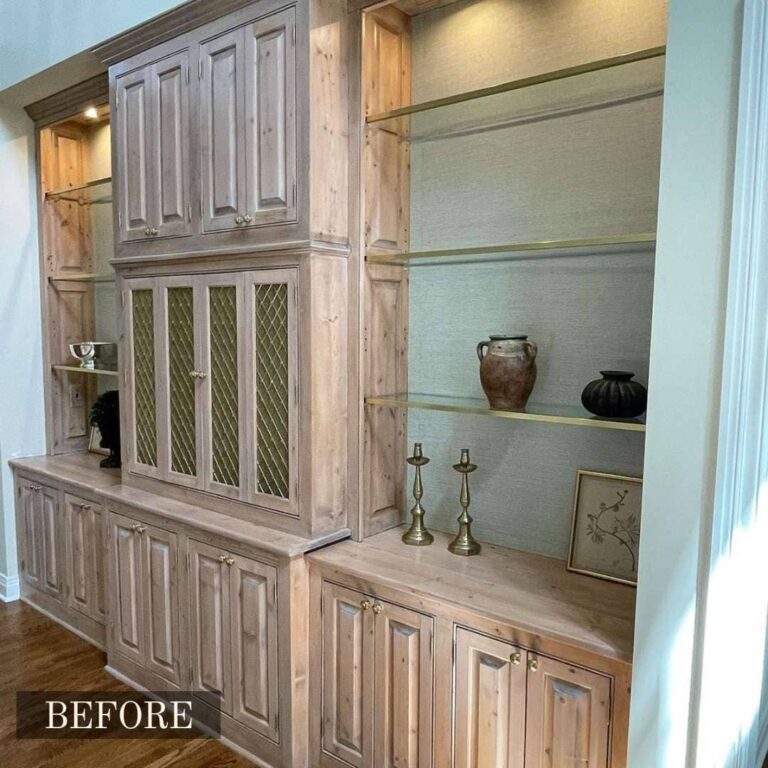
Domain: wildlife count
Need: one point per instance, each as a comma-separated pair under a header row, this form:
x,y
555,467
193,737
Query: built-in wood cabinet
x,y
234,636
42,555
211,374
152,150
248,124
377,681
85,549
144,614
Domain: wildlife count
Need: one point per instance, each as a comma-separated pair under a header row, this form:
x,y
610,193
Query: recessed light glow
x,y
92,113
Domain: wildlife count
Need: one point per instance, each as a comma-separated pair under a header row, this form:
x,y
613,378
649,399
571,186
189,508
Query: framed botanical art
x,y
606,526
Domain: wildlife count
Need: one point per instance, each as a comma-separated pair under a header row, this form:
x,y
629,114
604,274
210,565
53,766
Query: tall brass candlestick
x,y
464,543
417,535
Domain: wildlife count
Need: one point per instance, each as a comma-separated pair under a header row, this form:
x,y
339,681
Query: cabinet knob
x,y
239,220
230,561
516,657
365,604
247,219
201,374
137,528
222,558
153,232
84,506
141,529
377,608
147,232
35,488
533,664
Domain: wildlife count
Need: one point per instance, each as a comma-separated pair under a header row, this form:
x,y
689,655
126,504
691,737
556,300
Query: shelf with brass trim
x,y
91,371
551,414
640,243
521,83
83,277
89,188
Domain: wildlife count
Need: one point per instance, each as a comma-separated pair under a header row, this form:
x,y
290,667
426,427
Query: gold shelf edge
x,y
91,371
580,421
55,193
542,245
526,82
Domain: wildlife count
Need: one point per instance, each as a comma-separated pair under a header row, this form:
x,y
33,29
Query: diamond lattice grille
x,y
181,362
272,389
224,386
144,377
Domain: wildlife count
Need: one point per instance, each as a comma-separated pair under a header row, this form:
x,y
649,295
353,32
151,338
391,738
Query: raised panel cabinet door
x,y
126,603
210,625
270,118
253,609
347,697
222,129
223,388
567,716
160,601
53,543
172,211
99,562
133,150
30,505
272,386
489,702
80,554
402,708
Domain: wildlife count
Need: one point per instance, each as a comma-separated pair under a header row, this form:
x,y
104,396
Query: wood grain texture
x,y
41,655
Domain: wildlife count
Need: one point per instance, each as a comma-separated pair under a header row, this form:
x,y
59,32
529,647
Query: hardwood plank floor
x,y
40,655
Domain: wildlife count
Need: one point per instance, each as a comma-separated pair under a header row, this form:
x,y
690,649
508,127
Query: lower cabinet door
x,y
160,602
30,512
53,539
568,716
348,622
100,565
402,706
85,556
253,613
210,625
125,562
489,703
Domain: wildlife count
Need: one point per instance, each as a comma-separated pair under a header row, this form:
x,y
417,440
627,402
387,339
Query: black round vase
x,y
615,396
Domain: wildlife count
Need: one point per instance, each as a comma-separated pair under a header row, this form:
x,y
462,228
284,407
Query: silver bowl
x,y
86,351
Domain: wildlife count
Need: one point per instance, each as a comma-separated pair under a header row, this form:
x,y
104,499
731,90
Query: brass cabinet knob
x,y
516,657
153,232
377,608
193,374
239,220
141,529
222,558
201,374
247,219
138,528
365,604
84,506
533,664
147,231
230,561
35,487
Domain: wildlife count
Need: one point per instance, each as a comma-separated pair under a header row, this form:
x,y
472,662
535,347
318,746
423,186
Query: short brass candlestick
x,y
464,543
417,535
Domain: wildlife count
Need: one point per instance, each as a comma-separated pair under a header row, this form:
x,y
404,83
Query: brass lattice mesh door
x,y
224,375
181,382
272,350
143,359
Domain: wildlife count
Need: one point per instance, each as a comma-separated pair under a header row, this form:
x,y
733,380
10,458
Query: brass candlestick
x,y
464,543
417,535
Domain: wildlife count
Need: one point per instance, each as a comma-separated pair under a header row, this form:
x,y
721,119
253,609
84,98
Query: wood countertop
x,y
532,592
80,470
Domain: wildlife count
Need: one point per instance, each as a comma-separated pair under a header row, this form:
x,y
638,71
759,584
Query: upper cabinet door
x,y
568,716
133,101
270,118
403,688
172,214
222,140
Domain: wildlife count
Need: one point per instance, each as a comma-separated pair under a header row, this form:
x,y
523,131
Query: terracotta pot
x,y
615,396
507,371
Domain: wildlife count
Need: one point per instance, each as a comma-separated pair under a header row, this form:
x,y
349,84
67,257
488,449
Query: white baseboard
x,y
9,588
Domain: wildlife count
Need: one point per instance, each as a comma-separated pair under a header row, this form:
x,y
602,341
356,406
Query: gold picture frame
x,y
597,548
94,443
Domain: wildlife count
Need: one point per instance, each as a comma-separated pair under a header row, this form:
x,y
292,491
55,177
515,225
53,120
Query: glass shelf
x,y
552,414
83,277
91,371
96,192
642,243
626,75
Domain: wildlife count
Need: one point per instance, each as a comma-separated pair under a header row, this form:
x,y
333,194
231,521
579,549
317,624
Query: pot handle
x,y
480,347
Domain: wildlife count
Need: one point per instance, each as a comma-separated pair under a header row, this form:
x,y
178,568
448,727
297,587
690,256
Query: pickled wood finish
x,y
31,534
347,643
160,595
568,717
254,650
85,559
76,473
125,598
53,540
489,703
210,626
403,682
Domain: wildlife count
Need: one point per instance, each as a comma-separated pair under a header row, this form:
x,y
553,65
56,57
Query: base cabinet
x,y
144,619
377,681
85,539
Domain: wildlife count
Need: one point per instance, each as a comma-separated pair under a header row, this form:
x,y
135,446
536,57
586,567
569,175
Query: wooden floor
x,y
39,655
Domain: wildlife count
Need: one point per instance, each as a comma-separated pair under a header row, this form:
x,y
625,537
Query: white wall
x,y
34,35
686,353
